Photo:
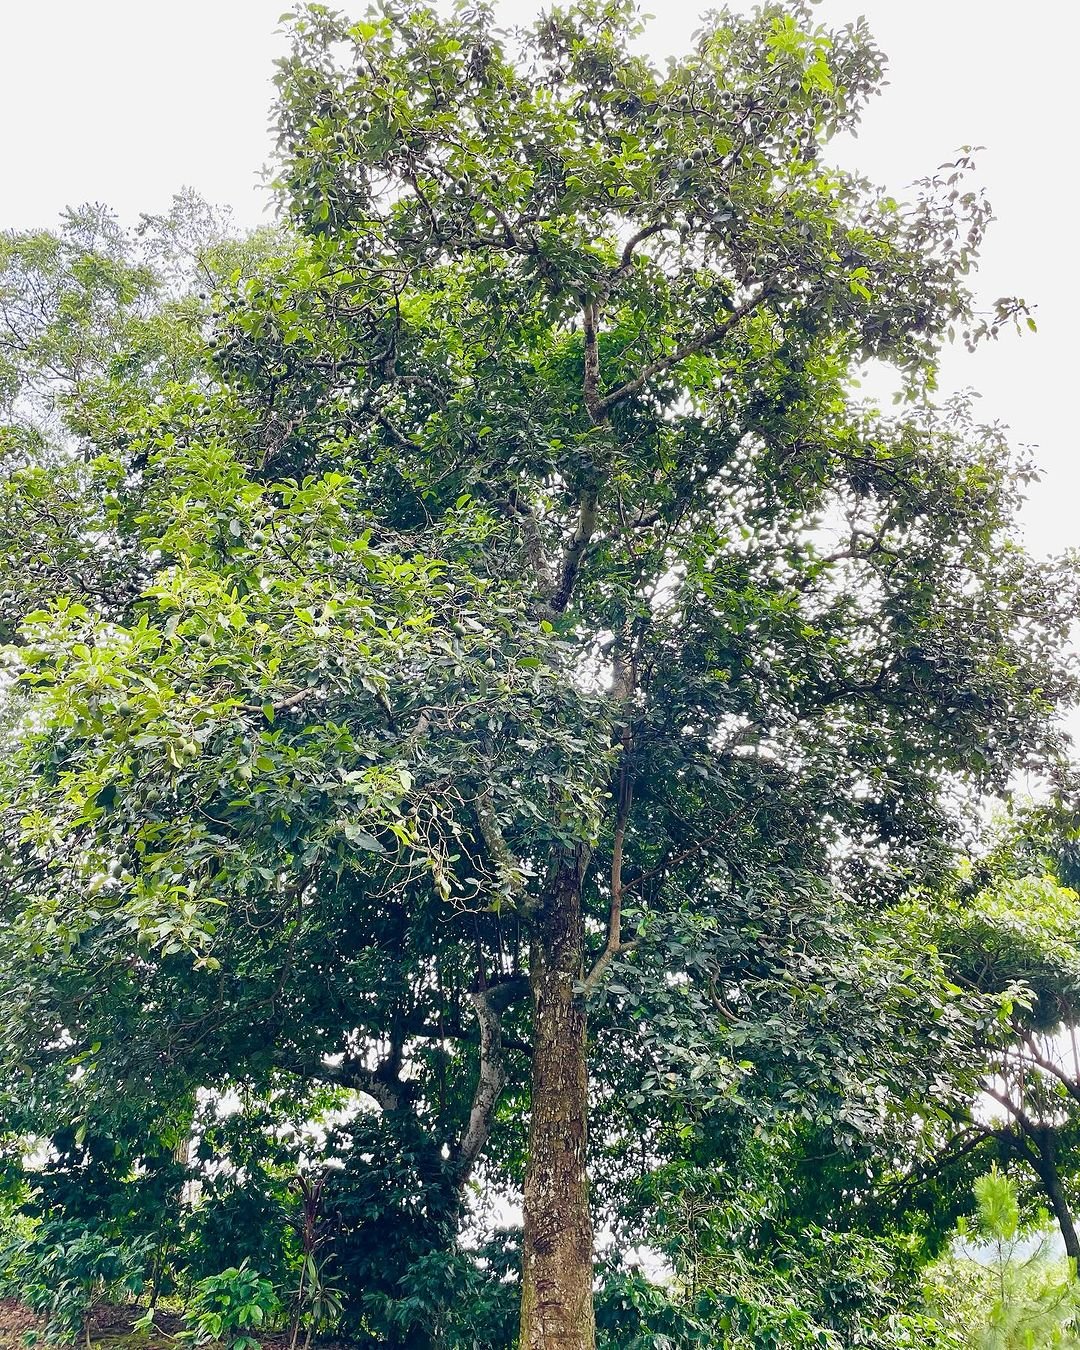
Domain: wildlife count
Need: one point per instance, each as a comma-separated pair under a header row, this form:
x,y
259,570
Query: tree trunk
x,y
1050,1177
557,1269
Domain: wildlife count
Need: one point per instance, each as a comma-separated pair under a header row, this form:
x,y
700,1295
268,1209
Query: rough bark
x,y
557,1296
1050,1177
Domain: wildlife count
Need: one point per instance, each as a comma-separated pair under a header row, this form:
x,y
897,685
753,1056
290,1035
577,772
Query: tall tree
x,y
531,606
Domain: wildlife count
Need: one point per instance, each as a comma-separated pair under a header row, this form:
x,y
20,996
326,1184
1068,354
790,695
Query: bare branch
x,y
282,705
1055,1070
575,550
489,1085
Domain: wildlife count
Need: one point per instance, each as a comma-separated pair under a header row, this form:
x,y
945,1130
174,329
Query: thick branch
x,y
624,686
599,408
958,1148
591,385
534,545
614,945
489,1085
627,256
383,1090
507,868
574,553
398,437
676,859
646,232
282,705
1029,1126
1050,1176
691,347
1042,1155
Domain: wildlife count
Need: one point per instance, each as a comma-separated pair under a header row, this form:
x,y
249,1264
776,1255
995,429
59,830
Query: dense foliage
x,y
475,665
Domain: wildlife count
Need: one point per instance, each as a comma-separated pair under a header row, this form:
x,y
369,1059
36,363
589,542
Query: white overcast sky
x,y
125,101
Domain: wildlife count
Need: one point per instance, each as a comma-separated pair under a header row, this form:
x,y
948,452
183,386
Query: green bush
x,y
231,1307
238,1222
62,1270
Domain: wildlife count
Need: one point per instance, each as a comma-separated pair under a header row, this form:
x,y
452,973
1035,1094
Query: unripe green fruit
x,y
205,640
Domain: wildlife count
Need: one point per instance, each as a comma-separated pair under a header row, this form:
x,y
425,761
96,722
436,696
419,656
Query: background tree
x,y
1010,930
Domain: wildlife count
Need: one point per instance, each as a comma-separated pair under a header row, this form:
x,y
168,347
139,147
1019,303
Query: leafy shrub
x,y
449,1300
392,1245
62,1270
230,1307
317,1303
635,1313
